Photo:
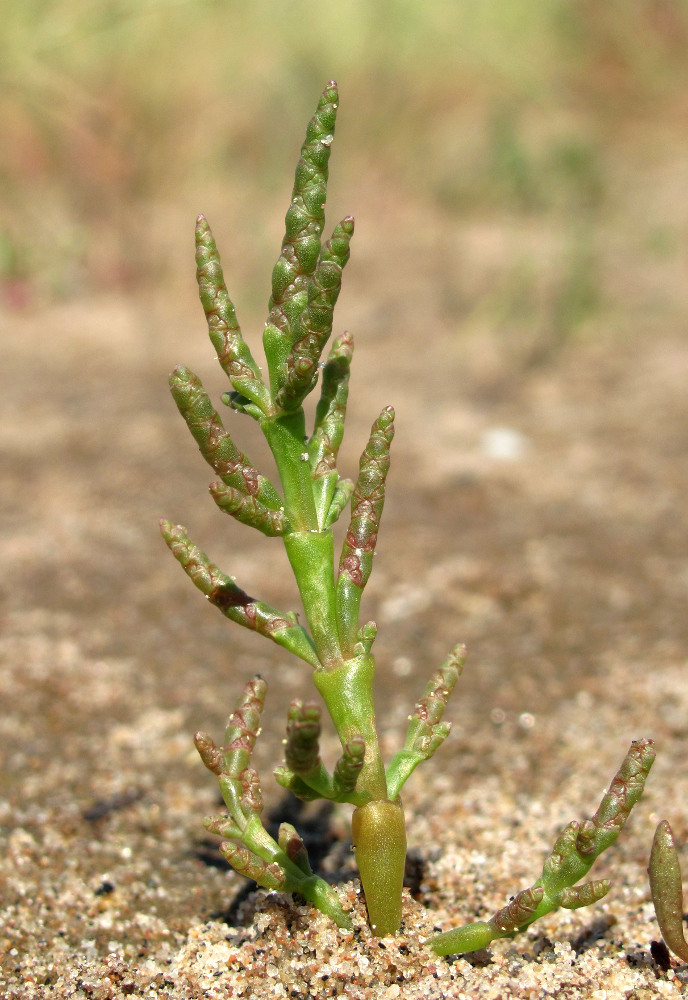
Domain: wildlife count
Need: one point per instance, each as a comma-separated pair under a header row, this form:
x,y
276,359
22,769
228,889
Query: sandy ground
x,y
554,547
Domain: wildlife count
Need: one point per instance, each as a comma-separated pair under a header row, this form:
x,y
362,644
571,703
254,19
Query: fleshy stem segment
x,y
249,849
667,890
574,853
426,731
301,509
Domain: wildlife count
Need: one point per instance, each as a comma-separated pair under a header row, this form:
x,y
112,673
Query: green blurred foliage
x,y
519,108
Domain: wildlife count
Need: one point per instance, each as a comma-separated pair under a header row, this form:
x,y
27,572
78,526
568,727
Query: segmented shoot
x,y
249,849
574,853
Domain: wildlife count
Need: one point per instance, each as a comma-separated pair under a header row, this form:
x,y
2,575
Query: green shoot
x,y
301,509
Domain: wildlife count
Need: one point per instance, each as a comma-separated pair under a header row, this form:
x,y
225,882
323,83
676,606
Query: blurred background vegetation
x,y
550,133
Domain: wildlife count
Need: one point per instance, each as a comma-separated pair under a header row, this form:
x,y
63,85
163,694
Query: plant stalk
x,y
378,827
379,835
347,690
311,555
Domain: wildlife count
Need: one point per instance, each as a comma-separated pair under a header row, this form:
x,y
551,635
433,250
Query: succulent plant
x,y
333,642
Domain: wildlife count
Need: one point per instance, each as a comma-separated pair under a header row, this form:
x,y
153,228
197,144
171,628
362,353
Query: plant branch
x,y
232,351
426,732
232,601
304,224
367,502
251,851
574,853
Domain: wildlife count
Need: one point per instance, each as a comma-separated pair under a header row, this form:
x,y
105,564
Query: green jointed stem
x,y
367,502
214,442
302,752
303,772
230,762
575,851
232,351
347,690
232,601
328,430
347,771
367,634
426,731
315,321
304,224
340,499
267,874
248,510
286,436
293,846
242,727
251,851
311,555
330,413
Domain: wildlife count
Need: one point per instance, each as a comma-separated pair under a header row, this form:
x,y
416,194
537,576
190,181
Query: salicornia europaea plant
x,y
334,642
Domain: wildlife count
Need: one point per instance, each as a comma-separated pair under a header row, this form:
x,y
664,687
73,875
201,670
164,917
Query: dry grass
x,y
556,122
